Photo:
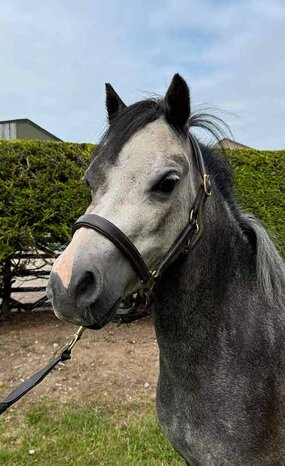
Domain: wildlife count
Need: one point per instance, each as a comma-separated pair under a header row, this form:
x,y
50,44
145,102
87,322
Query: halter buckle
x,y
207,185
193,218
149,283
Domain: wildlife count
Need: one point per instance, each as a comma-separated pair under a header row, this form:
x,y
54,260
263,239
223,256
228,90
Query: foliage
x,y
260,187
106,436
41,193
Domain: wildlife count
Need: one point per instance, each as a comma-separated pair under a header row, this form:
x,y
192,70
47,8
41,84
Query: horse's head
x,y
143,182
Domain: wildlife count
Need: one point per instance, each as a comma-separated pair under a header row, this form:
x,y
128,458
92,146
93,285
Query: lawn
x,y
111,435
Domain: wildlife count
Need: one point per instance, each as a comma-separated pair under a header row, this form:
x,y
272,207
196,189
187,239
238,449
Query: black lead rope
x,y
26,386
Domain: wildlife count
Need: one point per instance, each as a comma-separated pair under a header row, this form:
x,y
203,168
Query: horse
x,y
218,306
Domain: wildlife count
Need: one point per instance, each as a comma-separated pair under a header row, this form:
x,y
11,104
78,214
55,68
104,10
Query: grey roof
x,y
226,141
27,120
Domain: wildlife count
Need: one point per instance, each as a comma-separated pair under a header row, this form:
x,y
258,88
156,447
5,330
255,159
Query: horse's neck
x,y
194,293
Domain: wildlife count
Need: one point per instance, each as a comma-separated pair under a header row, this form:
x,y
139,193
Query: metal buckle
x,y
76,337
207,184
190,240
149,284
191,217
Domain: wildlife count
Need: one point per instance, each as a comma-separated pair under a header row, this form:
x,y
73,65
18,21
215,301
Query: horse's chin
x,y
95,319
100,323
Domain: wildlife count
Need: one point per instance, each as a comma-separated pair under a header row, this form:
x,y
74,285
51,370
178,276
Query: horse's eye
x,y
166,185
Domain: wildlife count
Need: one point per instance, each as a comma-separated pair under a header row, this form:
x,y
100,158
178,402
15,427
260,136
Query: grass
x,y
118,435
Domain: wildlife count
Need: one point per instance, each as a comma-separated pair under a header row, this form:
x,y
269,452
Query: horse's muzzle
x,y
75,301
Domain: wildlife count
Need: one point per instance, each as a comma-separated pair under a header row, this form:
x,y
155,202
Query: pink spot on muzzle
x,y
64,263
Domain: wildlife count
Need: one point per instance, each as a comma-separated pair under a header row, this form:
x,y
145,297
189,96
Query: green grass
x,y
121,435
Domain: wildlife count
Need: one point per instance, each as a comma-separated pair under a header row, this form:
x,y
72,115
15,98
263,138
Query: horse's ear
x,y
177,102
114,103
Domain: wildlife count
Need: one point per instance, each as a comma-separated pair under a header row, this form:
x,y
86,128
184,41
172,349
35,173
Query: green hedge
x,y
41,193
260,187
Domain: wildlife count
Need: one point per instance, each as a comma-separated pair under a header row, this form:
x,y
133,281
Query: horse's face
x,y
146,192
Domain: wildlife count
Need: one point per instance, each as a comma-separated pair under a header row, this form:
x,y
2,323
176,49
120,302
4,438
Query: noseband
x,y
137,306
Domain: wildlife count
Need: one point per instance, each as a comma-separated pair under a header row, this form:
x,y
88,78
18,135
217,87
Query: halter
x,y
136,306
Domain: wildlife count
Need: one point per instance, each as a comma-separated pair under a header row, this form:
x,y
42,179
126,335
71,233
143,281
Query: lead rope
x,y
30,383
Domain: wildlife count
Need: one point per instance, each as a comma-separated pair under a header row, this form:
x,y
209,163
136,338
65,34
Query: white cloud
x,y
56,57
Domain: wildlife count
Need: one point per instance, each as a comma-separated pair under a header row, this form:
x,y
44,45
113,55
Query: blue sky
x,y
57,55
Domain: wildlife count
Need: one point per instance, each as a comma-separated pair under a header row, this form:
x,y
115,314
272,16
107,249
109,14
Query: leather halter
x,y
183,244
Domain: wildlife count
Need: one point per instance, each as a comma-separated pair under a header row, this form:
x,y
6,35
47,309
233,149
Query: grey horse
x,y
219,312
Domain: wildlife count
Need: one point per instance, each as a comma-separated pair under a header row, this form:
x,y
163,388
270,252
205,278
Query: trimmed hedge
x,y
260,188
41,193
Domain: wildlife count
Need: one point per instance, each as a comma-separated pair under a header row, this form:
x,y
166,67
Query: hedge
x,y
41,193
260,188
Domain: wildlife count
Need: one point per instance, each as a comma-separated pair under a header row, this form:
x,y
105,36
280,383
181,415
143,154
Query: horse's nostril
x,y
85,283
85,290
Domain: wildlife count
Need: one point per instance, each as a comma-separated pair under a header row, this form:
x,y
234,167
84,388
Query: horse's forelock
x,y
128,122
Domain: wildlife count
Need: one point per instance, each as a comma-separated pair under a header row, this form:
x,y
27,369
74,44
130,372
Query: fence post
x,y
6,288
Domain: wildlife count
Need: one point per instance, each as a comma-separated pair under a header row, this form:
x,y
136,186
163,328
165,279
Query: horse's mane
x,y
270,267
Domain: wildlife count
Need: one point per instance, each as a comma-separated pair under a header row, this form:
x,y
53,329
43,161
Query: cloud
x,y
56,57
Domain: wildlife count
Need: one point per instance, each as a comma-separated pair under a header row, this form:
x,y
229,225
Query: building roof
x,y
30,122
230,143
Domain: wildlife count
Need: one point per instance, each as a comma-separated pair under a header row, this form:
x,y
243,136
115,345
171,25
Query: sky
x,y
57,55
